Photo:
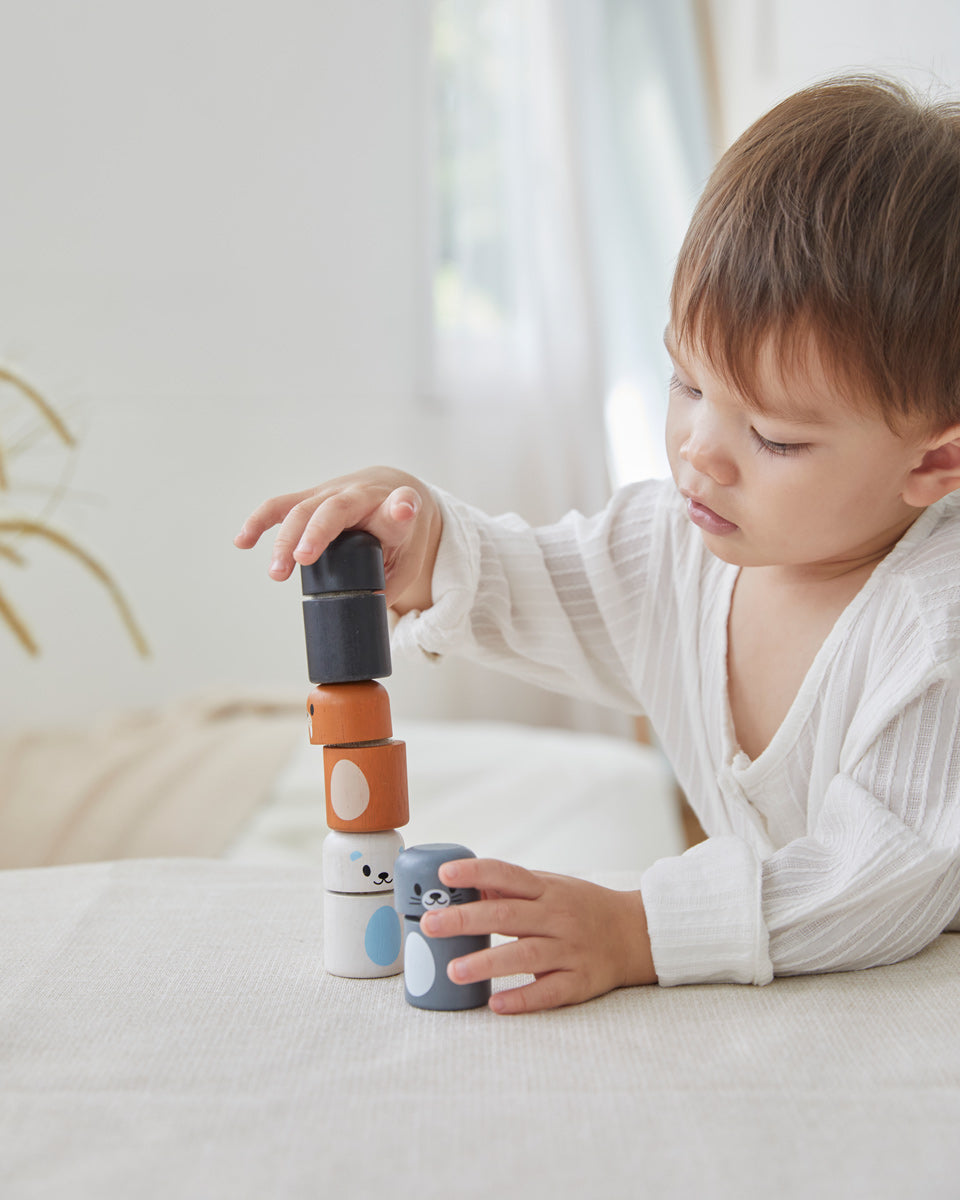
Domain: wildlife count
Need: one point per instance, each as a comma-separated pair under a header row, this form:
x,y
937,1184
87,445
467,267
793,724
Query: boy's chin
x,y
727,550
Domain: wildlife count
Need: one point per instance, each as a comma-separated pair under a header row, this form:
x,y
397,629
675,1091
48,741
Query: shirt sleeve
x,y
875,880
878,878
562,606
704,914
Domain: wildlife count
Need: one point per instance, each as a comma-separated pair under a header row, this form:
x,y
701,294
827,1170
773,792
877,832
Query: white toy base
x,y
361,935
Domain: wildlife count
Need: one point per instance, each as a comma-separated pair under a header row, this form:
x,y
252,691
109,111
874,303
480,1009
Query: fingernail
x,y
457,970
430,922
497,1003
276,566
450,872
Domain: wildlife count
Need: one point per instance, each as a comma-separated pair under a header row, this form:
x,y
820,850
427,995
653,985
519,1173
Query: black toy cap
x,y
348,637
353,562
345,611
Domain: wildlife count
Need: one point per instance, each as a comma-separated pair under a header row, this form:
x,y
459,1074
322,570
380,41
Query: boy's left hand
x,y
578,939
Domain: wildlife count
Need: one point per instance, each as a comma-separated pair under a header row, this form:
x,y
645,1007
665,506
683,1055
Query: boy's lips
x,y
706,519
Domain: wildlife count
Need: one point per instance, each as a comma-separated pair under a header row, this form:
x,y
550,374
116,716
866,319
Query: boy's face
x,y
808,483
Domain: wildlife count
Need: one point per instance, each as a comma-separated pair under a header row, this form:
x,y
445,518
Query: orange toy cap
x,y
349,712
366,787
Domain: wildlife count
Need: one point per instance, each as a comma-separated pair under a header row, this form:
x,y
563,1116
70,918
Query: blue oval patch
x,y
382,939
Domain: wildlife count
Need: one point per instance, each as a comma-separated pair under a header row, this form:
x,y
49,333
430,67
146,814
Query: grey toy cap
x,y
415,874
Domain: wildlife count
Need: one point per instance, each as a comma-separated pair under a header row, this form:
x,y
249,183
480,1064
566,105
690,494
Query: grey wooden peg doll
x,y
418,890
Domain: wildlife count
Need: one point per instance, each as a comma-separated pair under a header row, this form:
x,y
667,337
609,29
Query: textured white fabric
x,y
837,847
166,1031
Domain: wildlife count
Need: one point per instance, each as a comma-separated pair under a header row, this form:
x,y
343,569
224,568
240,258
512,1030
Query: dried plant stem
x,y
37,528
8,375
26,528
16,625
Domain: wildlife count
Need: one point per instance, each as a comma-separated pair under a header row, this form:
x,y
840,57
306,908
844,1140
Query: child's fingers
x,y
554,985
507,916
492,875
382,515
549,991
403,504
291,532
291,513
265,516
529,956
310,521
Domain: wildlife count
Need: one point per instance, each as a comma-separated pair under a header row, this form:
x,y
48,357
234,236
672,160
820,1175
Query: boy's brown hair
x,y
836,215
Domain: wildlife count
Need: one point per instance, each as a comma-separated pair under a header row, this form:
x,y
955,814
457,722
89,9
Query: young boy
x,y
786,611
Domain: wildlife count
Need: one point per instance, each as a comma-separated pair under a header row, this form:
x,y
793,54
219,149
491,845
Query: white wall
x,y
211,257
212,254
770,48
210,245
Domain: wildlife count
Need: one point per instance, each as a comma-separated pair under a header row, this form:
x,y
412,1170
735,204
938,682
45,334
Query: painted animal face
x,y
418,888
434,896
437,897
360,862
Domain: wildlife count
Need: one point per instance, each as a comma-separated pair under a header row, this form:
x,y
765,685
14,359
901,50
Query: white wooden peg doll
x,y
361,929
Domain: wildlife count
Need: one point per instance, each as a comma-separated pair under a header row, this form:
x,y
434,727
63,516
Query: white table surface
x,y
166,1030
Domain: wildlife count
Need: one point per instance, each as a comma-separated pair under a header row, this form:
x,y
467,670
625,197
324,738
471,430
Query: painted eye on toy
x,y
417,889
366,869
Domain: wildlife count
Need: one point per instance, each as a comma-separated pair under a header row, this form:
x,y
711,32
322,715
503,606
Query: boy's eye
x,y
677,385
783,449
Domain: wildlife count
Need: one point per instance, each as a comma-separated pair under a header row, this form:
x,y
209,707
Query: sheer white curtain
x,y
569,140
567,145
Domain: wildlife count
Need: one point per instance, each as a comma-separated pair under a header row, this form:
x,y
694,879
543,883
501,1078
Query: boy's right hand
x,y
395,507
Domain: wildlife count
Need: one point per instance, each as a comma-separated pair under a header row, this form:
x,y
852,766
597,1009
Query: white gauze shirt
x,y
839,846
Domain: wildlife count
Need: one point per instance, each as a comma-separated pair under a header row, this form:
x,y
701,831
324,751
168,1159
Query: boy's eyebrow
x,y
793,412
795,415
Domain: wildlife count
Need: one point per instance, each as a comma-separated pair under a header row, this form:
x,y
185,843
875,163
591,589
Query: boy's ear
x,y
938,473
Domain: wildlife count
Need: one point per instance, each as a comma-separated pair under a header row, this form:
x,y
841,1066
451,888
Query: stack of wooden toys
x,y
365,778
365,769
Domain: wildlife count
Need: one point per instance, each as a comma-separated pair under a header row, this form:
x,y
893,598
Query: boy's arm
x,y
566,607
579,940
875,879
561,606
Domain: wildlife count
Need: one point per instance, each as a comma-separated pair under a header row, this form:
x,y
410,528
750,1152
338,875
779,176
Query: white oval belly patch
x,y
349,790
419,969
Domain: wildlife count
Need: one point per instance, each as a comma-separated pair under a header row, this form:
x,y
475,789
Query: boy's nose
x,y
703,450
